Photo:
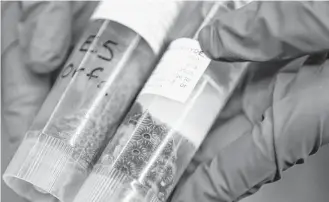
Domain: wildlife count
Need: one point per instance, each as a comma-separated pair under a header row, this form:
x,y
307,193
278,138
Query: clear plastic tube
x,y
164,127
87,103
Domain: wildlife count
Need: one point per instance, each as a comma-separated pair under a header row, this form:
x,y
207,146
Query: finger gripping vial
x,y
89,99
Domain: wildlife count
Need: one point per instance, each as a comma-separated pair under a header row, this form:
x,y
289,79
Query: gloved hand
x,y
285,117
37,38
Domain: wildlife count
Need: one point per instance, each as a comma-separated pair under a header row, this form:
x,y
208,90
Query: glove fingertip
x,y
44,59
51,38
40,67
210,42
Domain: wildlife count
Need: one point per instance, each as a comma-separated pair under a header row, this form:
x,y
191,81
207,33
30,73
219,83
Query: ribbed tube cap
x,y
111,185
43,170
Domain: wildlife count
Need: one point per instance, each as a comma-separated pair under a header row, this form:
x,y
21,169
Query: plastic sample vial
x,y
90,98
164,127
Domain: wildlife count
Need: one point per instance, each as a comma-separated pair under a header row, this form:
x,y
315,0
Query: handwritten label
x,y
108,46
178,71
104,51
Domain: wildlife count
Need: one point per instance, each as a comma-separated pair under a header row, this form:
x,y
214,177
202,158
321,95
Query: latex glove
x,y
295,121
37,37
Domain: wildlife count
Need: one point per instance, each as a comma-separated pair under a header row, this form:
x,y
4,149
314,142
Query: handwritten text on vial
x,y
105,52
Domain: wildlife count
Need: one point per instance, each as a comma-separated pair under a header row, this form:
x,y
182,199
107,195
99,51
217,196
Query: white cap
x,y
149,18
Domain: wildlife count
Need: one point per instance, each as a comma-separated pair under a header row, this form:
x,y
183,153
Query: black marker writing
x,y
67,70
100,84
86,45
92,72
76,70
70,69
107,46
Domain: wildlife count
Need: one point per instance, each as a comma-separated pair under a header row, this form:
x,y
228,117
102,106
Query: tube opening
x,y
27,189
43,170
